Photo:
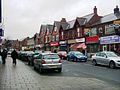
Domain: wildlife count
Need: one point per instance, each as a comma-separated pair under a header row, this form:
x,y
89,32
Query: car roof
x,y
48,53
105,52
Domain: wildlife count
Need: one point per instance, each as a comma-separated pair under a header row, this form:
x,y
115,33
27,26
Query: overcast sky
x,y
23,18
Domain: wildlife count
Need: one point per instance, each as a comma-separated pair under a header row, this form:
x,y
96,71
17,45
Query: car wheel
x,y
112,65
94,62
28,62
34,67
59,70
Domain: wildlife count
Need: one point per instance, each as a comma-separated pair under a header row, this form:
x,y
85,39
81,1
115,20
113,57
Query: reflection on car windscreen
x,y
51,56
78,53
111,55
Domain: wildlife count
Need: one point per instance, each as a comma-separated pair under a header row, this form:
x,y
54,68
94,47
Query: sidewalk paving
x,y
19,77
23,77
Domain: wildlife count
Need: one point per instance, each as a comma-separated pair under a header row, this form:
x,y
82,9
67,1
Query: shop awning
x,y
75,46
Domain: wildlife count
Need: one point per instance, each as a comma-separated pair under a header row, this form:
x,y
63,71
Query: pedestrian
x,y
14,56
4,56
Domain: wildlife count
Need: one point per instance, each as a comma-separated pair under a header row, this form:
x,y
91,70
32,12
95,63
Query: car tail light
x,y
60,61
43,62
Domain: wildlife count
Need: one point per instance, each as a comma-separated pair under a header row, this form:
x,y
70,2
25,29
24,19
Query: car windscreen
x,y
78,53
51,56
111,55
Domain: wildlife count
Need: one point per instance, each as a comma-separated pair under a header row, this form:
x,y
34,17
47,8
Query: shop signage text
x,y
110,39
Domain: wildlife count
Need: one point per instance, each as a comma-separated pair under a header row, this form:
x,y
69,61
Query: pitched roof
x,y
50,28
57,24
88,17
110,17
43,28
81,21
71,24
64,25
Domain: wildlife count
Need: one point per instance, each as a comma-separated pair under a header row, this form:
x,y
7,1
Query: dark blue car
x,y
76,56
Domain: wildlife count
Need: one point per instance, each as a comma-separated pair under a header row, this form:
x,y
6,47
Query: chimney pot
x,y
116,10
63,20
95,10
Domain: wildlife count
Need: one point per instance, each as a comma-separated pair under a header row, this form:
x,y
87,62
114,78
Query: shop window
x,y
92,48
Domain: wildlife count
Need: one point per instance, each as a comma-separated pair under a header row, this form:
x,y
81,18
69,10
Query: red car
x,y
62,54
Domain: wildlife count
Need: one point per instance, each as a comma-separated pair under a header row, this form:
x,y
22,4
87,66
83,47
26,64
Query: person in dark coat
x,y
4,56
14,56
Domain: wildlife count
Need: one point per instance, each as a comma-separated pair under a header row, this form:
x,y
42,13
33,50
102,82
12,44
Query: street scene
x,y
59,45
74,76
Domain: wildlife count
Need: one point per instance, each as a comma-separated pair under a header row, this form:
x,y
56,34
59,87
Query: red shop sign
x,y
54,44
92,39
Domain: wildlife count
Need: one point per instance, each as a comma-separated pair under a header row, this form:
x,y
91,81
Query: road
x,y
75,76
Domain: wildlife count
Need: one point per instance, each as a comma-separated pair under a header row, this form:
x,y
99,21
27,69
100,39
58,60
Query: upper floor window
x,y
55,29
78,32
53,38
93,31
57,37
109,29
62,35
46,39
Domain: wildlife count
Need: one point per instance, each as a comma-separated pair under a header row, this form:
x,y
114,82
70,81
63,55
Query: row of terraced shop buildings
x,y
96,33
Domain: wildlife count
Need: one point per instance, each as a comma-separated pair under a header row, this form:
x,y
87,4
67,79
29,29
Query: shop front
x,y
92,45
54,46
39,47
110,43
47,47
70,43
63,45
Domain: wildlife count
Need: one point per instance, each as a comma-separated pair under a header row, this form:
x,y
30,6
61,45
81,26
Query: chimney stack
x,y
63,20
95,10
116,10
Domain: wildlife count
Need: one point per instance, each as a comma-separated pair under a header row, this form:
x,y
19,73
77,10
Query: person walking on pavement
x,y
4,56
14,56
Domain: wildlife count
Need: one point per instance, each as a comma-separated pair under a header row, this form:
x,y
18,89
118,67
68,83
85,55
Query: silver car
x,y
45,61
106,58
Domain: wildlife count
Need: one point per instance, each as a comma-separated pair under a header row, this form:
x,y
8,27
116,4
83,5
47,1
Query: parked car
x,y
31,58
62,54
50,61
106,58
76,56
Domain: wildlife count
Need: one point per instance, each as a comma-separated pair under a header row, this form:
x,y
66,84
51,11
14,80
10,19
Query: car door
x,y
37,60
97,57
104,59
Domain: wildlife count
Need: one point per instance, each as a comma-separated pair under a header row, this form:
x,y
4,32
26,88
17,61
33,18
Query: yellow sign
x,y
116,22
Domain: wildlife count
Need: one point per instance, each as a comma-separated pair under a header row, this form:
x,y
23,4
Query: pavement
x,y
23,77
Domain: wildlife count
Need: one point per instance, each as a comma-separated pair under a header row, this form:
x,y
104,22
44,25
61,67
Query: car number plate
x,y
52,66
